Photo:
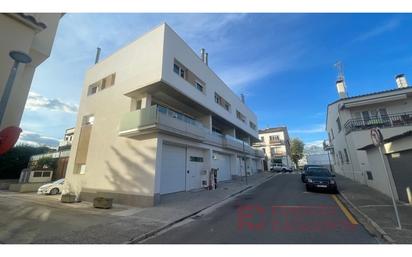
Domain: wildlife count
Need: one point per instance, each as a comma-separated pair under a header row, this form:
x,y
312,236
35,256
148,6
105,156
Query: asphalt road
x,y
278,211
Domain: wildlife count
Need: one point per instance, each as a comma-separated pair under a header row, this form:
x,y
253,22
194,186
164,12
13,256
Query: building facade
x,y
32,33
155,119
349,121
275,144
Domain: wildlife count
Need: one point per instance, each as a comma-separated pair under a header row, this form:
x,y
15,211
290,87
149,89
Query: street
x,y
278,211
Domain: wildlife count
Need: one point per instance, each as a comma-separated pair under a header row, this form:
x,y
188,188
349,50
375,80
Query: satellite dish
x,y
8,138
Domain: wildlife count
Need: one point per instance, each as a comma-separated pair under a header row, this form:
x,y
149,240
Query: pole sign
x,y
376,137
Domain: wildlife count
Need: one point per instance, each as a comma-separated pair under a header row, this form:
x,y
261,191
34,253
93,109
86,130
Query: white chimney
x,y
401,81
341,87
204,56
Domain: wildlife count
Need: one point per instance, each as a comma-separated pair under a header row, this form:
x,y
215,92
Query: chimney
x,y
204,56
207,59
341,87
97,55
401,81
242,96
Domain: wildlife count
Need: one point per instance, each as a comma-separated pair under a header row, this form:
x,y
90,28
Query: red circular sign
x,y
8,138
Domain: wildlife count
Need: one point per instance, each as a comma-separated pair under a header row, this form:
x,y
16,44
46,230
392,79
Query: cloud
x,y
36,139
36,101
318,128
316,143
376,31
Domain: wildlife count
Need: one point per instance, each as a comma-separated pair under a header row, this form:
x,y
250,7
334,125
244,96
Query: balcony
x,y
387,121
277,142
159,118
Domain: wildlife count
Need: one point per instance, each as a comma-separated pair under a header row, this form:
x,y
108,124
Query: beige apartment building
x,y
33,34
275,144
155,119
349,123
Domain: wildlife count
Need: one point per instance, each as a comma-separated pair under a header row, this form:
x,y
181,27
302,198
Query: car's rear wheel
x,y
54,191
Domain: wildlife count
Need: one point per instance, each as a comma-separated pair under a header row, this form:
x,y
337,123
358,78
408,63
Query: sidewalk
x,y
134,224
378,210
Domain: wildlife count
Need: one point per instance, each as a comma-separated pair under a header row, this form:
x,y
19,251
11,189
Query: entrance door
x,y
400,164
172,176
195,164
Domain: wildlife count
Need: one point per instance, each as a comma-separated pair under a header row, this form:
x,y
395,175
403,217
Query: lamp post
x,y
18,57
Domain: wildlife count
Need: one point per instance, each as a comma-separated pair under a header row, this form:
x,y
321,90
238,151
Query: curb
x,y
154,232
380,231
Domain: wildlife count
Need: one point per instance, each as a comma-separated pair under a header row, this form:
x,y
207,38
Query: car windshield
x,y
60,181
319,173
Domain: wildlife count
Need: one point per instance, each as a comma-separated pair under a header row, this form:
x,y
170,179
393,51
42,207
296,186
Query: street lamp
x,y
18,57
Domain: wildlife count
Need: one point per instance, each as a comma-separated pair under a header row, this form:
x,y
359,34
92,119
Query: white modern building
x,y
154,119
275,144
349,121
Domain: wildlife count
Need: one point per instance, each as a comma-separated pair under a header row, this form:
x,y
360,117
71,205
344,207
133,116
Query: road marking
x,y
345,210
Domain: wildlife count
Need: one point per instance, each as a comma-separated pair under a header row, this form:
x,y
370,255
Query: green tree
x,y
48,163
296,148
16,159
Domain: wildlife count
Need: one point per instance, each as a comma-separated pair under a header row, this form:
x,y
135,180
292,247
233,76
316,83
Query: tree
x,y
48,163
296,148
16,159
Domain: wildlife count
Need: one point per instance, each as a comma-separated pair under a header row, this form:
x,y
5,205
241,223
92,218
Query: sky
x,y
282,63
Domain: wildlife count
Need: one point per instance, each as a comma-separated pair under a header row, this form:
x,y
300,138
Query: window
x,y
340,157
179,70
331,131
262,139
369,174
196,159
199,86
222,102
88,120
37,174
252,125
346,155
82,169
240,116
101,84
46,174
93,88
339,125
274,138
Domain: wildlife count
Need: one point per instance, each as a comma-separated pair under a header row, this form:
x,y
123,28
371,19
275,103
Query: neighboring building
x,y
62,155
348,124
275,144
67,141
154,119
32,33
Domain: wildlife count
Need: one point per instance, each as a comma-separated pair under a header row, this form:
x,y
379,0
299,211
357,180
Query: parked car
x,y
305,168
280,167
320,178
53,188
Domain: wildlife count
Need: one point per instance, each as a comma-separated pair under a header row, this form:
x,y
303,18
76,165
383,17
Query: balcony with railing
x,y
277,142
384,121
161,118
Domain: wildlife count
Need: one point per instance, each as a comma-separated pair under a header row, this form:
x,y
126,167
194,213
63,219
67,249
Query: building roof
x,y
270,130
371,94
389,139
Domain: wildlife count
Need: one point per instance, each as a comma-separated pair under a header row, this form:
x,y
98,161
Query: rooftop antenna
x,y
340,82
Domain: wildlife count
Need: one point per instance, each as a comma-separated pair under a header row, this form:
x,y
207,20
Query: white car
x,y
52,188
280,167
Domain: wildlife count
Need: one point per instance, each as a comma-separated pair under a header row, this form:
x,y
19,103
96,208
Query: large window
x,y
222,102
252,125
179,70
102,84
240,116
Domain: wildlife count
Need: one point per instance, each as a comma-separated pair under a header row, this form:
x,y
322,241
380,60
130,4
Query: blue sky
x,y
282,63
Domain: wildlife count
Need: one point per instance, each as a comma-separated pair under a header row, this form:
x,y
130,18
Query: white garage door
x,y
254,166
173,173
222,162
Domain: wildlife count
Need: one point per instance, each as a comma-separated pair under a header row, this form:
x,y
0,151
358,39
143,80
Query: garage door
x,y
222,162
400,164
173,173
253,166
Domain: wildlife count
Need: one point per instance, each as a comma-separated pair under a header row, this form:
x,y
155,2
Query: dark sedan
x,y
305,169
320,179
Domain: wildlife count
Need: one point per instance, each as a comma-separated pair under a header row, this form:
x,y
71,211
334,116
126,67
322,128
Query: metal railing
x,y
386,121
277,141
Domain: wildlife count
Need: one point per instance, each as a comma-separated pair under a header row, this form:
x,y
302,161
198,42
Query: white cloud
x,y
378,30
36,101
316,143
36,139
318,128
